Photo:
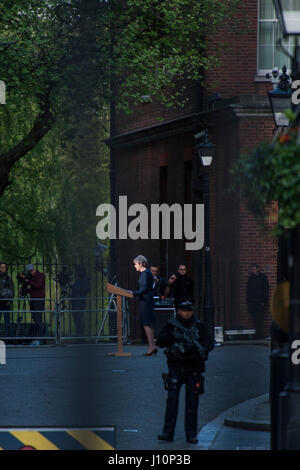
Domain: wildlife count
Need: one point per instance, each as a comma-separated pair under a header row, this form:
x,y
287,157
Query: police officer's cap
x,y
186,306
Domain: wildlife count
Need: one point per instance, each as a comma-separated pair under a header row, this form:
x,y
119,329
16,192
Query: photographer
x,y
6,292
35,282
180,286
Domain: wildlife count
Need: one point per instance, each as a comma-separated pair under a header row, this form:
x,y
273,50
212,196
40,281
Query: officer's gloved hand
x,y
177,334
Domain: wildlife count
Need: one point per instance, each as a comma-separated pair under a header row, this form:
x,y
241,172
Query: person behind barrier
x,y
79,291
187,344
180,286
159,283
6,292
35,281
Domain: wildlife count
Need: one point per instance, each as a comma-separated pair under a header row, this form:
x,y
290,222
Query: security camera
x,y
274,74
199,136
274,77
146,99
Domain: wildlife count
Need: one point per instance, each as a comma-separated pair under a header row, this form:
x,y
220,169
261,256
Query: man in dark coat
x,y
257,294
188,343
159,283
37,288
180,286
6,292
36,285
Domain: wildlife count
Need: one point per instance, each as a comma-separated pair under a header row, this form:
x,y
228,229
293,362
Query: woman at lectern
x,y
146,302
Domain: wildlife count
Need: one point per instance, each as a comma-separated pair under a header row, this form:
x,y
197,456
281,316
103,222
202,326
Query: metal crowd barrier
x,y
77,319
21,322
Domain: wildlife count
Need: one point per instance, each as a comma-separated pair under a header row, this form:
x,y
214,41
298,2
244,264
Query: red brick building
x,y
155,162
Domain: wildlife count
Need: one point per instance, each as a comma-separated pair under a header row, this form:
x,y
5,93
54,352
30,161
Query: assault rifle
x,y
189,337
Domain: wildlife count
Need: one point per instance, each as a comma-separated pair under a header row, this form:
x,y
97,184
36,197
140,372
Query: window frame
x,y
262,72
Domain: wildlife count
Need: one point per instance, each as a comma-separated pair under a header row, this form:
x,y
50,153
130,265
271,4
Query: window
x,y
269,31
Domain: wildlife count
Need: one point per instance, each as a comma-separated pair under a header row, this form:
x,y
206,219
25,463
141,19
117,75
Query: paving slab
x,y
242,427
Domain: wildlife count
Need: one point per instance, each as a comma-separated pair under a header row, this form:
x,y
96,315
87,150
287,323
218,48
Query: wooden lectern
x,y
119,294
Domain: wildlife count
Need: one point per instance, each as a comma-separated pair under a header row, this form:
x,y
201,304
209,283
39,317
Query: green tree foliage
x,y
51,66
271,172
83,180
63,62
24,207
59,55
159,44
49,207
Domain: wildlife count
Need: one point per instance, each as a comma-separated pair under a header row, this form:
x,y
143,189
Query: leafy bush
x,y
271,172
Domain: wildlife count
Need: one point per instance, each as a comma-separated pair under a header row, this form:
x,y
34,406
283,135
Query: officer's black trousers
x,y
178,377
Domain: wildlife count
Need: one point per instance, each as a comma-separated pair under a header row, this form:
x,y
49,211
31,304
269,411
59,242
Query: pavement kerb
x,y
210,431
248,424
241,416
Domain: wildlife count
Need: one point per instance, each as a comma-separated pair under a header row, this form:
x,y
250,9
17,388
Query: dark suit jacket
x,y
145,293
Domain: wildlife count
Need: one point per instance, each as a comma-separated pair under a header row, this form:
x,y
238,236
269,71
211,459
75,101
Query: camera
x,y
64,279
22,279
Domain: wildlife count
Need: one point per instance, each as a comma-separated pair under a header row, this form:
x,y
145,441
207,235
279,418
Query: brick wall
x,y
237,73
256,246
236,240
153,113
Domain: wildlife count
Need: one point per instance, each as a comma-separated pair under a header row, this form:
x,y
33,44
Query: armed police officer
x,y
187,344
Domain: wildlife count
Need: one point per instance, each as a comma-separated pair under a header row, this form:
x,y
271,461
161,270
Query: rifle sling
x,y
176,323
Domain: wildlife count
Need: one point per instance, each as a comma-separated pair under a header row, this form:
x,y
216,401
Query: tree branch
x,y
41,126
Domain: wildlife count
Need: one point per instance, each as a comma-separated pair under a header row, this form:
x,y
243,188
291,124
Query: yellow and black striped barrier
x,y
102,438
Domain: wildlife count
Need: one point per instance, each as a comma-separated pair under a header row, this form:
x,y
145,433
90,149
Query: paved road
x,y
73,385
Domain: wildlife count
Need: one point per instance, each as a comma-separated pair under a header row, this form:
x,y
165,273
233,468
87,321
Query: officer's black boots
x,y
165,437
192,440
169,438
